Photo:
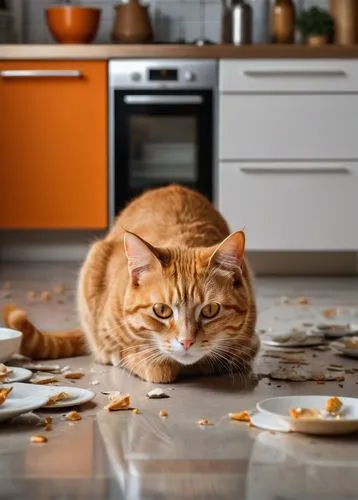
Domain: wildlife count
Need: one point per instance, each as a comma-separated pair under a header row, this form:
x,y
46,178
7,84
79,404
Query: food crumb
x,y
163,413
329,313
242,416
59,290
333,404
73,375
204,421
45,296
341,385
136,411
302,301
73,416
38,439
120,403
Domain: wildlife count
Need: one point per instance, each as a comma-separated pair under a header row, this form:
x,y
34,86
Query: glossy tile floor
x,y
122,455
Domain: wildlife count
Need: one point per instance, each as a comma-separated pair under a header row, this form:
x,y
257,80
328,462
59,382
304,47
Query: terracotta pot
x,y
317,40
73,24
132,23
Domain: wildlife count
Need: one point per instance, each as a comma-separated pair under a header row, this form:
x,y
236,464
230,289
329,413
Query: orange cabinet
x,y
53,145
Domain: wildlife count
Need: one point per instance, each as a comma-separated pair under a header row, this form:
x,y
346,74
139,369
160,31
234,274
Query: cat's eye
x,y
162,311
210,310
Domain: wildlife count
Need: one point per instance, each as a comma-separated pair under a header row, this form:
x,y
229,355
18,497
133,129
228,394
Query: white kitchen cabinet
x,y
288,153
295,126
292,205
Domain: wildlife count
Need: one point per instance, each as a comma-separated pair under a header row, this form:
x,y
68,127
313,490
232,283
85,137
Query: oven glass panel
x,y
162,149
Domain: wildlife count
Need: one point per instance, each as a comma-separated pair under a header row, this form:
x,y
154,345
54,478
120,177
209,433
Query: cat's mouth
x,y
187,357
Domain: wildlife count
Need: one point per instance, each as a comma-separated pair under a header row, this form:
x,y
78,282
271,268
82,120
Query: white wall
x,y
172,19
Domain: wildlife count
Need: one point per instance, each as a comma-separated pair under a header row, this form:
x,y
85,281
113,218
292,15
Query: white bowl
x,y
280,408
10,341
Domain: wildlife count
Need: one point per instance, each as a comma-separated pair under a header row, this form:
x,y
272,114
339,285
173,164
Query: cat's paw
x,y
161,374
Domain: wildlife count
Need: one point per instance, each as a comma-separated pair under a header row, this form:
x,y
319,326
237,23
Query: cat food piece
x,y
44,380
304,413
120,403
45,296
73,375
163,413
329,313
157,394
60,396
31,295
47,423
4,371
333,405
136,411
4,392
73,416
59,289
242,416
38,439
204,421
302,301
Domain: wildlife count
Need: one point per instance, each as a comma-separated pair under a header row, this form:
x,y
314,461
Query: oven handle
x,y
163,99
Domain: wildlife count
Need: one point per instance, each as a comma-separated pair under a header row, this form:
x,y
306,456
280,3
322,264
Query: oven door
x,y
159,138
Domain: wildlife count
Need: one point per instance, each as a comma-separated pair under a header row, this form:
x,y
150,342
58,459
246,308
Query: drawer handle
x,y
41,73
294,73
163,99
295,170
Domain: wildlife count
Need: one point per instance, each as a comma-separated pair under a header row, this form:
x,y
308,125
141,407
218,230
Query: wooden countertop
x,y
98,52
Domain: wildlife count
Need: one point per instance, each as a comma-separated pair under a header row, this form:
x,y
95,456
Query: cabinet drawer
x,y
274,127
292,206
273,75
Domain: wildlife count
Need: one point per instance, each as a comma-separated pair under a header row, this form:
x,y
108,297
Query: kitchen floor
x,y
123,455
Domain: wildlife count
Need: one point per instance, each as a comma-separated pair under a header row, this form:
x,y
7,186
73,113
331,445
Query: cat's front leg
x,y
165,372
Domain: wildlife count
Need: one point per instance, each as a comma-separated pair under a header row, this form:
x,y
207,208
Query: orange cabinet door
x,y
53,145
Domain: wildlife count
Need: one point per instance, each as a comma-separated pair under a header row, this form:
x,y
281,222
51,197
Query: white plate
x,y
342,349
309,341
269,422
328,329
279,407
21,400
17,375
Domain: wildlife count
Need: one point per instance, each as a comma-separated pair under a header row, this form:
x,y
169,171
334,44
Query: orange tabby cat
x,y
167,292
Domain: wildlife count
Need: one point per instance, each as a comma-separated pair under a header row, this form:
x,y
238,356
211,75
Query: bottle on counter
x,y
345,15
260,20
283,20
241,22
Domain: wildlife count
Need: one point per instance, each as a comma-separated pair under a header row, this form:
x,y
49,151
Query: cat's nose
x,y
186,343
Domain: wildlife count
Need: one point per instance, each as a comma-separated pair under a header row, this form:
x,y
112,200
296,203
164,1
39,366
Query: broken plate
x,y
16,374
346,346
325,425
335,330
293,338
21,400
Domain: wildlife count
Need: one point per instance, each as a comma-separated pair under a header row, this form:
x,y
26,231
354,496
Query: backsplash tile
x,y
172,19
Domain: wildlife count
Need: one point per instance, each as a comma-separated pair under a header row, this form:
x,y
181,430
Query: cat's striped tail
x,y
44,345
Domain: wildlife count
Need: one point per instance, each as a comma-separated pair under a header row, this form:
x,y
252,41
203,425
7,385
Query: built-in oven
x,y
162,126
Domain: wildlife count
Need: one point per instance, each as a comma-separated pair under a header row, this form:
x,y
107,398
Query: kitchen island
x,y
142,456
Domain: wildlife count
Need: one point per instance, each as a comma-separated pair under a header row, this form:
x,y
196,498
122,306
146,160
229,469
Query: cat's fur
x,y
168,246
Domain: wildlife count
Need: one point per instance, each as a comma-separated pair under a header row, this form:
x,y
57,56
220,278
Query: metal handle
x,y
294,73
163,99
295,170
41,73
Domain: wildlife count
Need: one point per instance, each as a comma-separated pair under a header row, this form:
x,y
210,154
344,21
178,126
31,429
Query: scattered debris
x,y
45,296
121,403
157,394
47,423
4,392
163,413
4,372
73,375
302,301
330,313
333,405
136,411
38,439
43,380
38,367
73,416
60,396
94,381
204,421
242,416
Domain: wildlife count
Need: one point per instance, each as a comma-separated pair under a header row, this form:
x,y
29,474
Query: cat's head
x,y
188,303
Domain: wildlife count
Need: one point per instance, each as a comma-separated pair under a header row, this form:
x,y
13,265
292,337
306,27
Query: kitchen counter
x,y
100,52
121,455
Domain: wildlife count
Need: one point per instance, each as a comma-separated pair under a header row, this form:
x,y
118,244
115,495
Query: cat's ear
x,y
142,257
229,254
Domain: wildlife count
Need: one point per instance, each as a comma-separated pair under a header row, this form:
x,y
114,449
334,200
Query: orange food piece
x,y
333,405
38,439
120,403
163,413
242,416
329,313
302,301
73,416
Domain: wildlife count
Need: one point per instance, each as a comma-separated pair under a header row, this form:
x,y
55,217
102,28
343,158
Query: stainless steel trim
x,y
294,170
41,73
163,99
294,73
